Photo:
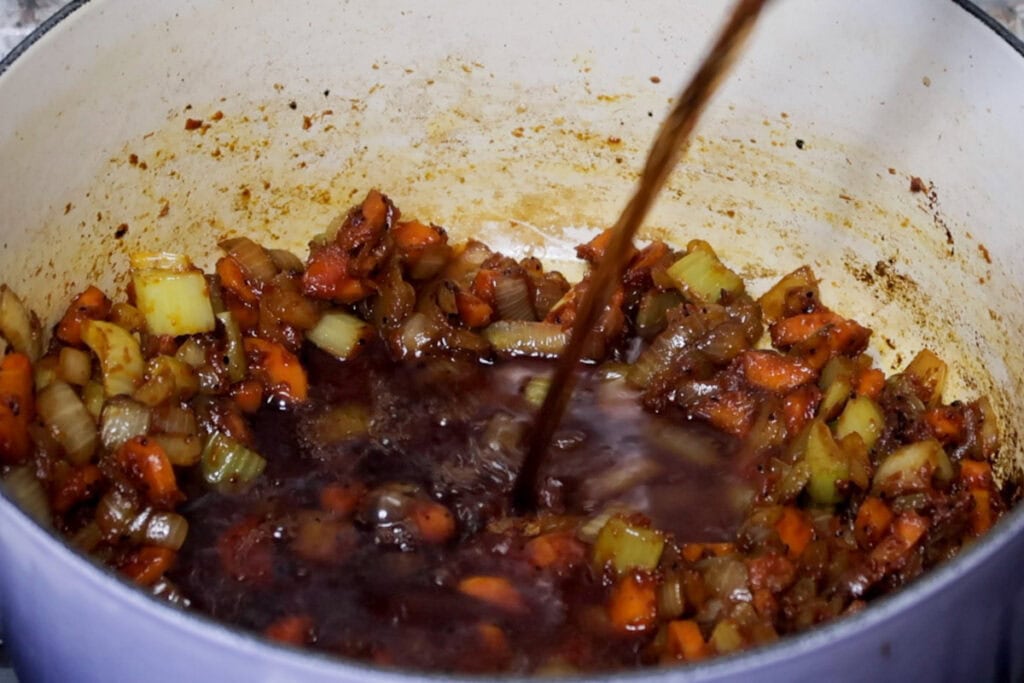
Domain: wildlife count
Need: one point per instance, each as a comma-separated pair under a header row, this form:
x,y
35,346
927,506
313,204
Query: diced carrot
x,y
247,316
633,604
294,629
799,407
494,590
976,473
411,237
327,276
558,550
720,549
434,521
593,251
731,411
693,551
278,369
765,603
639,268
232,278
248,394
873,520
92,304
774,372
146,565
685,641
794,531
82,483
981,516
869,382
493,639
17,408
909,527
146,464
946,423
374,208
799,328
341,499
473,310
246,552
483,285
842,335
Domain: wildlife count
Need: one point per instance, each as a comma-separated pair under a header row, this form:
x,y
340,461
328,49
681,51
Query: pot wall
x,y
524,124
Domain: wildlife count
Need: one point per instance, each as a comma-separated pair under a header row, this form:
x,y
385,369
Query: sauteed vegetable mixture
x,y
322,451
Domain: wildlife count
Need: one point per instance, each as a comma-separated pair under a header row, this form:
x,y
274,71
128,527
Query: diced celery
x,y
340,334
627,546
863,416
703,276
929,374
911,468
536,390
837,382
238,366
172,294
340,423
228,466
526,338
827,462
651,313
773,302
726,637
119,354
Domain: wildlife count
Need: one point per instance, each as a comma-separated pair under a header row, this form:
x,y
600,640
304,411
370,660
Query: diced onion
x,y
119,355
526,338
71,424
172,418
340,334
910,468
192,352
253,258
512,298
286,261
167,377
863,416
46,370
87,538
228,466
123,418
115,512
928,373
27,492
183,450
75,365
17,325
164,529
93,397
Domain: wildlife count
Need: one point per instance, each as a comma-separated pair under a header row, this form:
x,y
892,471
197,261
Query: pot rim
x,y
102,578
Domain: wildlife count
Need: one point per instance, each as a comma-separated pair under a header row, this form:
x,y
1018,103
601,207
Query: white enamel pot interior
x,y
524,124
